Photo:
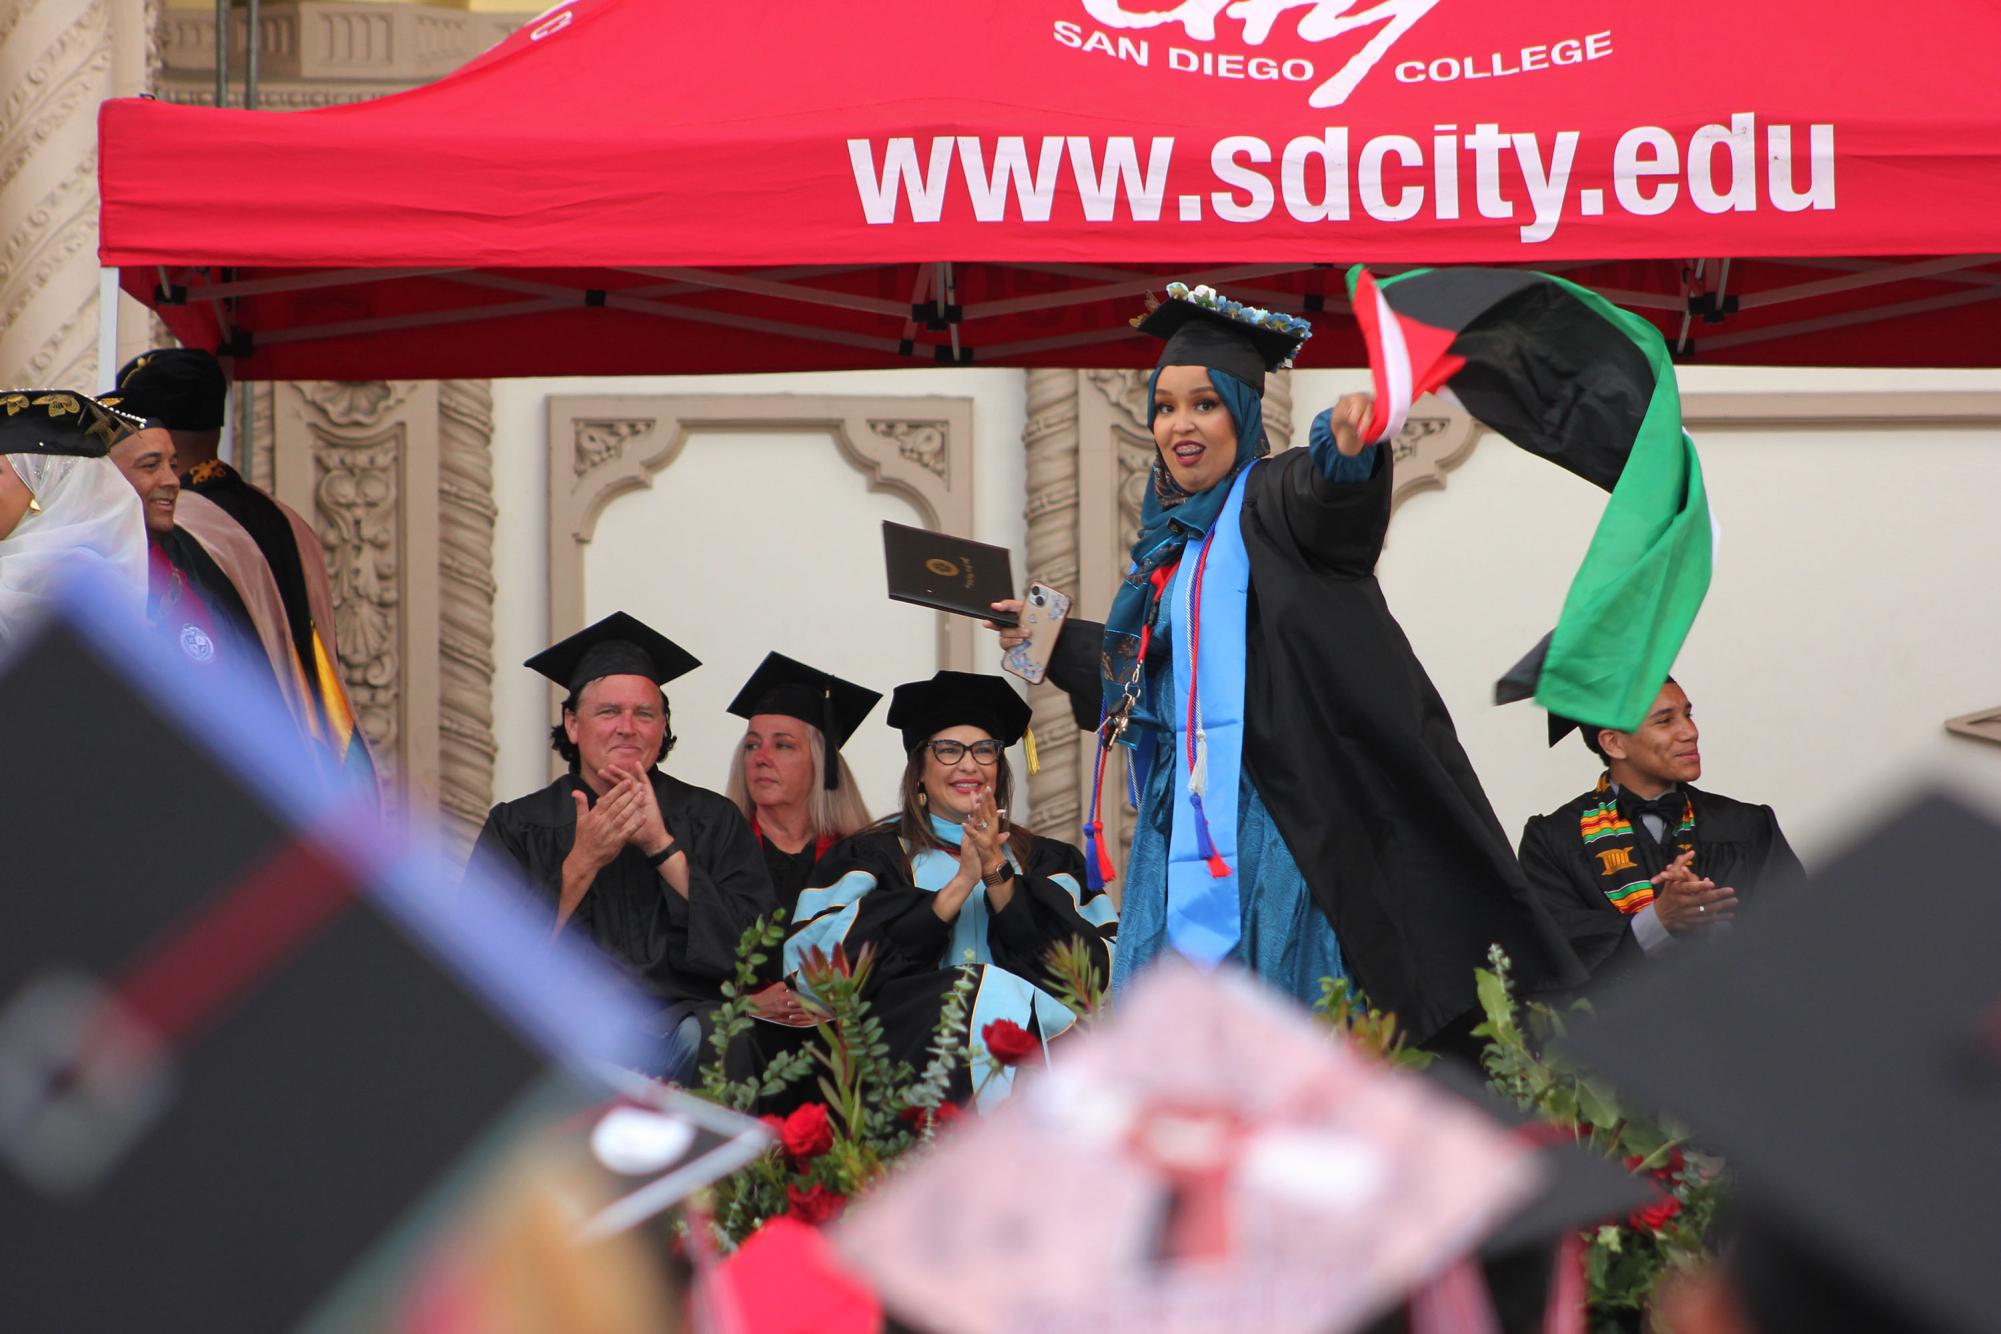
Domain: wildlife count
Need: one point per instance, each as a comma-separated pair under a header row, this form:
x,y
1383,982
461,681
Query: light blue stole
x,y
1204,913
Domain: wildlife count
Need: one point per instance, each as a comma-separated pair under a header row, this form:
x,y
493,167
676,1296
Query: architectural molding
x,y
1049,439
57,63
314,53
603,446
1982,726
466,516
412,577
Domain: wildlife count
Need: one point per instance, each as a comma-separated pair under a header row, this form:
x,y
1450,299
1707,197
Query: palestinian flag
x,y
1565,374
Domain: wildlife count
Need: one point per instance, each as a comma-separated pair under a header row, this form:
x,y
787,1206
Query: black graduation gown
x,y
272,531
1356,758
203,579
790,871
1736,844
896,915
912,973
678,950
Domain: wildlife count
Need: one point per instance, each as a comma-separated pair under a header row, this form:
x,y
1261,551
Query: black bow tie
x,y
1668,808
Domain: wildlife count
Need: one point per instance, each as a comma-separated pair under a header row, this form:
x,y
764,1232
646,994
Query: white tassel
x,y
1198,772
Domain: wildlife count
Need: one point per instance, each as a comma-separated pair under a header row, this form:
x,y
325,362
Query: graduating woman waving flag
x,y
1567,375
1305,808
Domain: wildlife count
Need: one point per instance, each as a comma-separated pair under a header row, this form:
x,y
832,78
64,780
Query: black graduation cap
x,y
787,686
1842,1049
1236,344
922,709
181,388
232,1065
618,645
1561,727
60,421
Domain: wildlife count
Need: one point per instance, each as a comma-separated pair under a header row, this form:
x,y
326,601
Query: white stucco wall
x,y
1854,606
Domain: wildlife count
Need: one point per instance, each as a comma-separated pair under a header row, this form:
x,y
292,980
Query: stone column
x,y
1278,410
58,60
466,516
1055,793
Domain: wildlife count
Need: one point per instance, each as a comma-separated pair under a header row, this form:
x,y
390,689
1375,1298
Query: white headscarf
x,y
90,520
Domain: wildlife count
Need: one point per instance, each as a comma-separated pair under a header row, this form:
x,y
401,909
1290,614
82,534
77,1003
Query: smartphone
x,y
1042,613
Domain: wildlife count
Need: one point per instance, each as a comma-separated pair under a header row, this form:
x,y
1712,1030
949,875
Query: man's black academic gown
x,y
1736,844
1355,756
679,950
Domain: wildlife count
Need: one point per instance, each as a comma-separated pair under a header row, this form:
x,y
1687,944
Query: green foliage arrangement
x,y
1625,1261
872,1109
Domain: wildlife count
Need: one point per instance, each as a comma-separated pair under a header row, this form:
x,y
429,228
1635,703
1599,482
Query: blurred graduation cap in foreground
x,y
249,1049
1845,1058
1210,1159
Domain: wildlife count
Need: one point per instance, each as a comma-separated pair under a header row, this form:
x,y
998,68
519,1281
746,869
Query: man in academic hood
x,y
190,599
662,876
1646,860
270,554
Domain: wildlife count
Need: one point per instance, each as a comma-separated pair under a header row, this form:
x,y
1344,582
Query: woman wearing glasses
x,y
948,877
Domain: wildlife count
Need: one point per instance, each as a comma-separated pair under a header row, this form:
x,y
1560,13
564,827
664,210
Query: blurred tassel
x,y
1028,747
1205,847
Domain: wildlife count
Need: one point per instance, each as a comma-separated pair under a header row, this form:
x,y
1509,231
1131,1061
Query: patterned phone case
x,y
1042,613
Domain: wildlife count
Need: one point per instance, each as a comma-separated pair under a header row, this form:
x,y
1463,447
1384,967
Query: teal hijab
x,y
1169,517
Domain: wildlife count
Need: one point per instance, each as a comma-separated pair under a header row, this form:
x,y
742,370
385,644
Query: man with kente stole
x,y
662,876
1646,859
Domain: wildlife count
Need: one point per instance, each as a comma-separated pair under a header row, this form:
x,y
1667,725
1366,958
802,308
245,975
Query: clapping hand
x,y
603,830
1685,901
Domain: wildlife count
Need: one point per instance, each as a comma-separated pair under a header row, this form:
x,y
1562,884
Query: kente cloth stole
x,y
1211,619
1612,840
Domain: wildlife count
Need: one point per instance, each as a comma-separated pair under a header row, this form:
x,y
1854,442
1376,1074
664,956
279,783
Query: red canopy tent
x,y
632,186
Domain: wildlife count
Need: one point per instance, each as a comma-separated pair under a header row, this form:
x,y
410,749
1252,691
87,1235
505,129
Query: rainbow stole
x,y
1609,837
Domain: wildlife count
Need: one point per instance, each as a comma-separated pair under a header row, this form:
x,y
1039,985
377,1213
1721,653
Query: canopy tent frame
x,y
925,312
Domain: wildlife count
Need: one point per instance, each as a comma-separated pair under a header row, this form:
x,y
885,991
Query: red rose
x,y
1656,1215
1010,1043
815,1206
806,1133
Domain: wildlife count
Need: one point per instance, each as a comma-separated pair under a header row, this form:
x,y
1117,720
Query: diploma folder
x,y
946,573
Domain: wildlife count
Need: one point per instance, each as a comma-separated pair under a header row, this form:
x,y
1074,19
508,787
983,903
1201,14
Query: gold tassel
x,y
1028,745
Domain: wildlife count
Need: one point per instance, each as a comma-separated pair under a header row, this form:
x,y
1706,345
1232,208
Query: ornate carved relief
x,y
57,62
923,443
412,579
357,493
1434,440
602,441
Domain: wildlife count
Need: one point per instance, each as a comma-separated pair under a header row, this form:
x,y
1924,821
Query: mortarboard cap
x,y
180,388
618,645
228,1102
1233,1164
60,421
1845,1058
1202,327
922,709
787,686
